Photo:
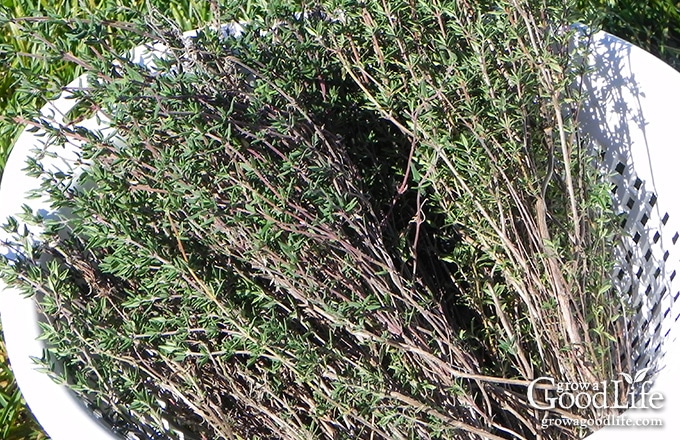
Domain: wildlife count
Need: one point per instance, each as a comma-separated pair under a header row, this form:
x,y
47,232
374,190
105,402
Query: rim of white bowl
x,y
622,72
61,414
55,407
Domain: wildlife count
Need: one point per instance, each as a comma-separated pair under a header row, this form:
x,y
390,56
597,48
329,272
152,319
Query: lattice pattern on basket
x,y
645,270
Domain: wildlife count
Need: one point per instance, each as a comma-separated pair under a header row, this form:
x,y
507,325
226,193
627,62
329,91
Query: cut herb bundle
x,y
369,221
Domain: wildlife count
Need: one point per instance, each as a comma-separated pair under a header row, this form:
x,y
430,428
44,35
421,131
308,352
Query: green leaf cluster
x,y
357,220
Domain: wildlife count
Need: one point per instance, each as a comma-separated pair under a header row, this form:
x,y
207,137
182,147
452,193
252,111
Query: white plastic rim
x,y
631,111
55,407
621,72
59,412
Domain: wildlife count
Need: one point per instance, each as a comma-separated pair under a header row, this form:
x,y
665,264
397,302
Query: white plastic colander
x,y
629,113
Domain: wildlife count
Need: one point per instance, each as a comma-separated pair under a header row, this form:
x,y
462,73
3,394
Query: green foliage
x,y
652,25
26,81
315,211
16,422
331,227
